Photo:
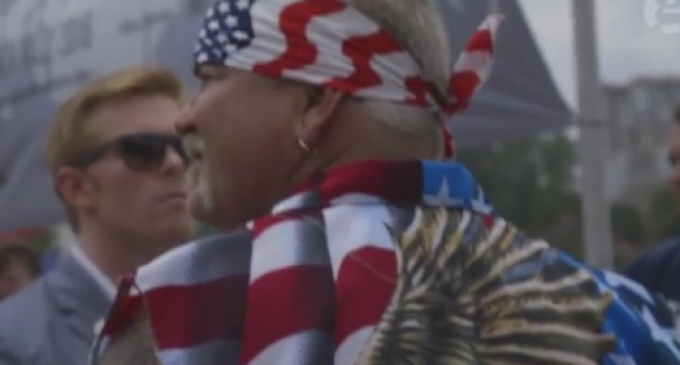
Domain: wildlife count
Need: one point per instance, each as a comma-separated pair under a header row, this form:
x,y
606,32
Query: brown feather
x,y
468,294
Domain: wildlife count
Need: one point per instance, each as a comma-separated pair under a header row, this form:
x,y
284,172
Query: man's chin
x,y
200,210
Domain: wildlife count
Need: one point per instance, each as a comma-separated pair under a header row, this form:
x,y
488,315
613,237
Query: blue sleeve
x,y
644,269
650,268
644,323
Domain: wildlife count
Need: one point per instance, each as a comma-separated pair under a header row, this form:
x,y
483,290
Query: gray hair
x,y
416,25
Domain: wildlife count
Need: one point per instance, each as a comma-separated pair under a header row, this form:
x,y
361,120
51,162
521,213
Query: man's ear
x,y
71,186
320,109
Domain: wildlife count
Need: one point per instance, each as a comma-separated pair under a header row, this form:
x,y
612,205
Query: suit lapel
x,y
79,299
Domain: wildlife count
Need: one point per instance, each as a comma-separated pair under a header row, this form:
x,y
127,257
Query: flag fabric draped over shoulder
x,y
380,260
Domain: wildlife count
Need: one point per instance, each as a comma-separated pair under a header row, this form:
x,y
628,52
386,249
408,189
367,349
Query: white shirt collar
x,y
104,282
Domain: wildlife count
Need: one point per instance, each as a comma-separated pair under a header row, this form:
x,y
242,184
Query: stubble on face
x,y
202,190
202,193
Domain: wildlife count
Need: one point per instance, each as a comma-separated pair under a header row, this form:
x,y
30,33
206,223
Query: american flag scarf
x,y
331,44
381,263
306,285
324,265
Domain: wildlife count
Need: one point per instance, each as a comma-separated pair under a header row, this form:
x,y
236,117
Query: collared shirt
x,y
104,282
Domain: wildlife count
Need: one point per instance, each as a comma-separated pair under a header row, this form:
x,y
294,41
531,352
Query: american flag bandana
x,y
329,43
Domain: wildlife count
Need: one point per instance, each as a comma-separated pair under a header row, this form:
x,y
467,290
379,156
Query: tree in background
x,y
628,224
42,241
663,221
530,182
629,233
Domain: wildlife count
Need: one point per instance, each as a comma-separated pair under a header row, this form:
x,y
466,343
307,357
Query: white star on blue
x,y
452,185
443,196
639,320
227,28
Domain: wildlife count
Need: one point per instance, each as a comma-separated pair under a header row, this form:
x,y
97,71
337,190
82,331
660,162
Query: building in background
x,y
639,116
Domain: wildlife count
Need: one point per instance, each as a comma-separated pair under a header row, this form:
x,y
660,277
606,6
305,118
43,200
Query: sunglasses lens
x,y
178,146
144,152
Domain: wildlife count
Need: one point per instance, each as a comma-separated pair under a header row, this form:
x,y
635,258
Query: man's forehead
x,y
141,114
210,69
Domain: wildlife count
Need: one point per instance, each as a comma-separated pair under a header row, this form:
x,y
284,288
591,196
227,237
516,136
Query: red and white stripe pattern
x,y
311,291
318,285
305,285
196,296
329,43
324,267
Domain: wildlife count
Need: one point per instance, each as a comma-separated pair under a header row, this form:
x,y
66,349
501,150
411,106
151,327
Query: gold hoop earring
x,y
306,148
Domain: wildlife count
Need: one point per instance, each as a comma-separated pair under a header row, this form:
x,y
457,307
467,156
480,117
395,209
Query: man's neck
x,y
110,254
394,146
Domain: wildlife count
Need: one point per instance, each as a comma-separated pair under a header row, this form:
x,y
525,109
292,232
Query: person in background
x,y
19,267
118,166
658,269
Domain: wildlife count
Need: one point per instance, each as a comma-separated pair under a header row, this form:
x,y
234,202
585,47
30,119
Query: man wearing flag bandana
x,y
320,126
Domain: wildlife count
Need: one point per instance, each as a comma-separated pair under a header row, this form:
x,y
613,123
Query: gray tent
x,y
49,48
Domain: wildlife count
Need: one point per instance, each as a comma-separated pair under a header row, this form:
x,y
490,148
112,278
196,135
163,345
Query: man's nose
x,y
174,163
185,122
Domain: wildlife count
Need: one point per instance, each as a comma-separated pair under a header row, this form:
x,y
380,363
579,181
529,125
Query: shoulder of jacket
x,y
652,258
23,318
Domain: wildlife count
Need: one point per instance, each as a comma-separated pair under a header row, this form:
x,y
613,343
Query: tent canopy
x,y
49,49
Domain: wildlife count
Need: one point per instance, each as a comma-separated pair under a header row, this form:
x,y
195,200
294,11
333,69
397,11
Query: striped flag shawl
x,y
373,263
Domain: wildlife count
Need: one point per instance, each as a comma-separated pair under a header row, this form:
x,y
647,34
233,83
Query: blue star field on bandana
x,y
227,28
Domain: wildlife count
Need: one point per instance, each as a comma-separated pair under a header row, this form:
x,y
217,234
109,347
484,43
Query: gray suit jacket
x,y
52,321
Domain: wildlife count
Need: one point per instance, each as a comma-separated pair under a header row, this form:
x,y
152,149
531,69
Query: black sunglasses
x,y
140,152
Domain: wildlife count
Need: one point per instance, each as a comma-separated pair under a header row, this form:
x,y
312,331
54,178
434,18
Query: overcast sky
x,y
628,47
